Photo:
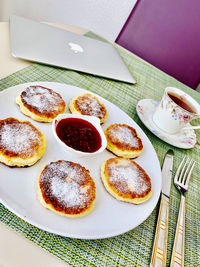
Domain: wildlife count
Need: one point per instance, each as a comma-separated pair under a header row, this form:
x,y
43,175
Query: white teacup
x,y
175,110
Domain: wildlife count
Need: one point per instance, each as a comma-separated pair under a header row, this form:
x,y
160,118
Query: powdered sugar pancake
x,y
66,188
21,143
88,104
40,103
126,180
123,141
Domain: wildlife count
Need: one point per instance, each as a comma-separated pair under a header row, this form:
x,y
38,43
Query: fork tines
x,y
184,171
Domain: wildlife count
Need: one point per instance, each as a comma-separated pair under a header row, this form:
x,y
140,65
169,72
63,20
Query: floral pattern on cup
x,y
177,113
171,117
184,139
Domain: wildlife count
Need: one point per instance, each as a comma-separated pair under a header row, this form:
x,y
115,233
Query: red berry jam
x,y
79,134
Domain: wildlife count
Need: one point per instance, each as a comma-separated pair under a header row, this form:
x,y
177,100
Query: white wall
x,y
105,17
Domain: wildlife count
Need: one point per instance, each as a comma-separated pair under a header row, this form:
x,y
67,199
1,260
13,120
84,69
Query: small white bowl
x,y
93,120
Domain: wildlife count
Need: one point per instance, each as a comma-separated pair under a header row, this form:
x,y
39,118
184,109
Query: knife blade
x,y
167,173
159,253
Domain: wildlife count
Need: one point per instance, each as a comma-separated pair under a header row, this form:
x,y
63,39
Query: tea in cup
x,y
175,110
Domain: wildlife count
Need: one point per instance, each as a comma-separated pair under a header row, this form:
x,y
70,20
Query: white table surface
x,y
16,250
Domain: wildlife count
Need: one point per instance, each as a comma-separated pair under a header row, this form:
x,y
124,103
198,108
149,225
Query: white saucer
x,y
183,139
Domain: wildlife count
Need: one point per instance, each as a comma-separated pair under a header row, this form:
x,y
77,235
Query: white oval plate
x,y
110,217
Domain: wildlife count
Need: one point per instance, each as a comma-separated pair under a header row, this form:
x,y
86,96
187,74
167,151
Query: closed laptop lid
x,y
42,43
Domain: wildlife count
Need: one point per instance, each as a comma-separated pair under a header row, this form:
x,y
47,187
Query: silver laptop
x,y
42,43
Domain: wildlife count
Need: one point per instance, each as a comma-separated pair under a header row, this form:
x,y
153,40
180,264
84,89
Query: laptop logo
x,y
75,47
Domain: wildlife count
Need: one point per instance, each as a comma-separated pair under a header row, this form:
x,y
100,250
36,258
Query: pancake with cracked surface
x,y
66,188
125,180
123,141
40,103
21,143
87,104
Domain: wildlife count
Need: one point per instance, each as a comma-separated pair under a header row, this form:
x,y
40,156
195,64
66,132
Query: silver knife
x,y
159,253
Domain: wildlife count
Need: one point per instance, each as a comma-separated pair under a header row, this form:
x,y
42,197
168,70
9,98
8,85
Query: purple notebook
x,y
166,33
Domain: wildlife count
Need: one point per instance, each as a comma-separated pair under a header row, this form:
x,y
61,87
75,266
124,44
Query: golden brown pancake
x,y
123,141
87,104
21,143
40,103
66,188
125,180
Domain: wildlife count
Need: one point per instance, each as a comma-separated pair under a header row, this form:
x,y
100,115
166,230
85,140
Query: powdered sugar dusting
x,y
88,105
19,138
41,98
124,135
125,176
68,183
69,193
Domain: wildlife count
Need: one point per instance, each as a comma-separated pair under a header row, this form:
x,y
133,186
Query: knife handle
x,y
159,253
177,258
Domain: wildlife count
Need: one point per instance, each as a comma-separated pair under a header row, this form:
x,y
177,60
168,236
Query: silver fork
x,y
181,181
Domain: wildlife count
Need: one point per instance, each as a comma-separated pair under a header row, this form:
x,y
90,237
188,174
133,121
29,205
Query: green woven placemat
x,y
133,248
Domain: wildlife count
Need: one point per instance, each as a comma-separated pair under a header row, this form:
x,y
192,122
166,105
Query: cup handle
x,y
191,127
